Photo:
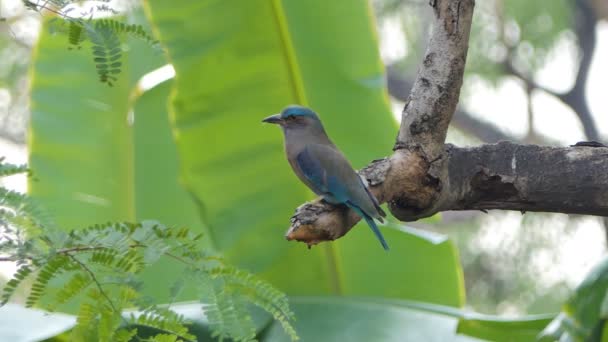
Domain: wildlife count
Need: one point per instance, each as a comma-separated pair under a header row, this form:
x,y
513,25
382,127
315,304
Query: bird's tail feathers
x,y
381,212
371,224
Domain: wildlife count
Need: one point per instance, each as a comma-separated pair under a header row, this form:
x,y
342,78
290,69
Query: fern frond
x,y
109,322
50,270
259,293
26,213
72,288
103,262
7,169
86,318
134,30
164,338
230,317
227,315
106,51
163,320
10,287
76,34
124,335
130,262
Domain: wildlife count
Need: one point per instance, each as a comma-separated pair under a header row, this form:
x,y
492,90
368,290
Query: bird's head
x,y
295,117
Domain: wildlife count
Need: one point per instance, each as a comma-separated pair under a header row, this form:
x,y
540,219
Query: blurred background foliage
x,y
190,150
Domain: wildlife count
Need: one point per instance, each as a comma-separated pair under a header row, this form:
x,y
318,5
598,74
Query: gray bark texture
x,y
424,176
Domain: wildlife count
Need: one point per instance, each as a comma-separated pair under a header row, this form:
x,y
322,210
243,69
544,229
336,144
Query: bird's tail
x,y
372,225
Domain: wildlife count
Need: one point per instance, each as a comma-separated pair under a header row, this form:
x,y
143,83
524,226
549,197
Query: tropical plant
x,y
99,268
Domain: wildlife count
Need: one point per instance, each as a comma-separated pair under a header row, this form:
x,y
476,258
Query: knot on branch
x,y
487,186
375,172
410,188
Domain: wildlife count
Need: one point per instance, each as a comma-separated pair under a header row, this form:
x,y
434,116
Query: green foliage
x,y
99,268
585,314
369,319
10,287
7,169
106,51
105,35
501,329
75,34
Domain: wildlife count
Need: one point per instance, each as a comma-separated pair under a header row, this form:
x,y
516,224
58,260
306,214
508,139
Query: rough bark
x,y
435,94
527,178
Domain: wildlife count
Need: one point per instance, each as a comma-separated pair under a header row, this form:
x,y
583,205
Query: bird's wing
x,y
329,171
331,174
313,170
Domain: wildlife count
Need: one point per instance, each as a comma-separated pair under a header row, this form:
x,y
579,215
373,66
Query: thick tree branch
x,y
527,178
435,94
499,176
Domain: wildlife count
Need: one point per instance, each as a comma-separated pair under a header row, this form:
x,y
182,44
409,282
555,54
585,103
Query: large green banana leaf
x,y
325,319
238,61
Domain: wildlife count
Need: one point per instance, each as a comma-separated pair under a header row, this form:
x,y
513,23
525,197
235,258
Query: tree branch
x,y
527,178
435,94
499,176
399,87
576,98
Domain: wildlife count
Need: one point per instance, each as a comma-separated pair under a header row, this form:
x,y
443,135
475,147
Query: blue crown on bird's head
x,y
295,110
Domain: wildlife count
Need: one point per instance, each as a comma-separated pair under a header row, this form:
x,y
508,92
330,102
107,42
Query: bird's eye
x,y
290,118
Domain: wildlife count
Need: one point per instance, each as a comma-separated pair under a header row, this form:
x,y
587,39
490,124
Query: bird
x,y
320,165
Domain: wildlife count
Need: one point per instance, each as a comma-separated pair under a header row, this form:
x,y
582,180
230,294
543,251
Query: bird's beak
x,y
273,119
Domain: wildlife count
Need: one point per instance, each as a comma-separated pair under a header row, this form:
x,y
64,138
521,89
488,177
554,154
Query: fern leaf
x,y
259,293
106,49
73,287
124,335
109,322
76,34
134,30
164,338
7,169
10,287
50,270
86,318
27,214
164,320
227,316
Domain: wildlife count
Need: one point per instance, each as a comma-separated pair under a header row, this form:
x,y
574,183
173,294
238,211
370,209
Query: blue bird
x,y
322,167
